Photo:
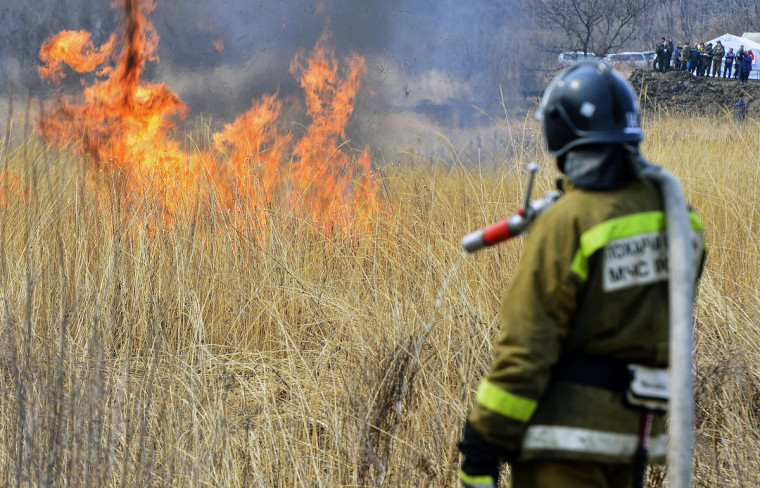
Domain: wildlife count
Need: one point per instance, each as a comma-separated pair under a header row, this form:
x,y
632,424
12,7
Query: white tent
x,y
752,36
730,40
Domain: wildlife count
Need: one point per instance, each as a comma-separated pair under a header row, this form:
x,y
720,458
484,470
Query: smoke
x,y
435,64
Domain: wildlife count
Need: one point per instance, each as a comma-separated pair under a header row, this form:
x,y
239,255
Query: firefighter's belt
x,y
599,372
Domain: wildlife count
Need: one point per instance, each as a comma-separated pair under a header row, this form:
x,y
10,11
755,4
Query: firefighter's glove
x,y
480,467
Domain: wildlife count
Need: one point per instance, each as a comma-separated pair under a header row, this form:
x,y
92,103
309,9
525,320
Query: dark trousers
x,y
727,70
569,474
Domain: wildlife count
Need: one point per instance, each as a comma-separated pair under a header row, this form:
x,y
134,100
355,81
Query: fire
x,y
125,123
256,152
122,119
75,49
321,173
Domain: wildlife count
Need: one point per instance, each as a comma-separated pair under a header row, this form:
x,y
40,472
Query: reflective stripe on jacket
x,y
573,439
592,280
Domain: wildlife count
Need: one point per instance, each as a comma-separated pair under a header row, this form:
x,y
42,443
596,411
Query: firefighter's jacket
x,y
591,282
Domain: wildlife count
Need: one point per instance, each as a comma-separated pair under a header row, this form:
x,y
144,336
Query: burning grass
x,y
203,353
125,124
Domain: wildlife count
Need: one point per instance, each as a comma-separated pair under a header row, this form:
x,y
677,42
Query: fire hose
x,y
681,291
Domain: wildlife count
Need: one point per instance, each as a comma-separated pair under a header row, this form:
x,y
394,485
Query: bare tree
x,y
699,20
739,16
598,26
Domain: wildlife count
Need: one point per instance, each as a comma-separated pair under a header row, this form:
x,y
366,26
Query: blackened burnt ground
x,y
679,92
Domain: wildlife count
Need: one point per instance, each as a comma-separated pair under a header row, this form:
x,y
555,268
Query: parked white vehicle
x,y
569,57
631,59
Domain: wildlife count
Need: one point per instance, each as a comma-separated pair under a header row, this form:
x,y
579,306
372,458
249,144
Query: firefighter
x,y
588,301
717,56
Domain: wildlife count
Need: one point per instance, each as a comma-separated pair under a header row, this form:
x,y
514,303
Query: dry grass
x,y
135,353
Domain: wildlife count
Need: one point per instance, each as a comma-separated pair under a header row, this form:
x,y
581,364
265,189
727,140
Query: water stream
x,y
442,290
422,334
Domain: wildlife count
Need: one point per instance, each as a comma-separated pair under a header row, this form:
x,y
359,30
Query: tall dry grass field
x,y
205,352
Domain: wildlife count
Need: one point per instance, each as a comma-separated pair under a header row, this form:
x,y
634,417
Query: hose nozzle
x,y
515,224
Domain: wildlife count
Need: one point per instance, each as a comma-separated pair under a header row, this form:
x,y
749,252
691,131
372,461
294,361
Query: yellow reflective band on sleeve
x,y
618,228
504,403
482,481
697,225
696,222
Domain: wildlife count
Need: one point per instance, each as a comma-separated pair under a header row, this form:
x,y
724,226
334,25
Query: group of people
x,y
704,59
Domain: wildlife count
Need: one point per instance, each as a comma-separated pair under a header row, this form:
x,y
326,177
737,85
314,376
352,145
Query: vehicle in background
x,y
628,59
649,55
569,57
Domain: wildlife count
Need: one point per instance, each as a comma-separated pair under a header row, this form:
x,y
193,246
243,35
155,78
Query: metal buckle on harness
x,y
649,388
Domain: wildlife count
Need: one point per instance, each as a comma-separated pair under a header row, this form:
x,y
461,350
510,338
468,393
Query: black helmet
x,y
589,103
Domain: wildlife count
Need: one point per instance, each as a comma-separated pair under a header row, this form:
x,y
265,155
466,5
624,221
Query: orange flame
x,y
321,173
127,122
75,49
256,152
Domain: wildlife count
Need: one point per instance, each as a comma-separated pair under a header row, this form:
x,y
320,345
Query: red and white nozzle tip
x,y
515,224
503,230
